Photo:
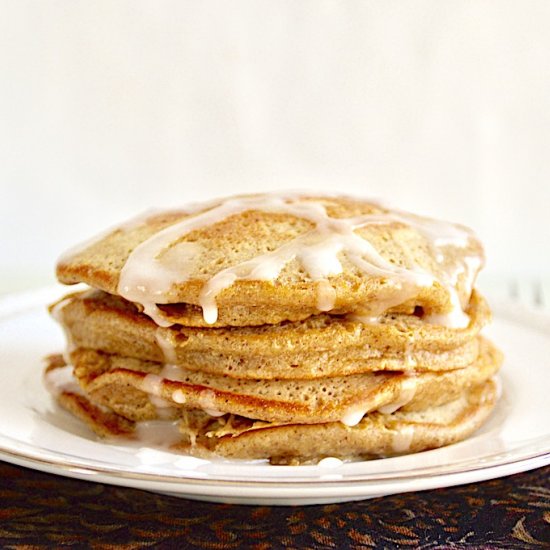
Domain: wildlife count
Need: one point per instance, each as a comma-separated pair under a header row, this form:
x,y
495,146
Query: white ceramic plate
x,y
36,433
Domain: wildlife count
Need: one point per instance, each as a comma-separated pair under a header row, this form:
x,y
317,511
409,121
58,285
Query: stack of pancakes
x,y
287,327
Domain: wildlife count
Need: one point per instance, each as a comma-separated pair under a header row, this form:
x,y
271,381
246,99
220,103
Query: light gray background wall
x,y
110,107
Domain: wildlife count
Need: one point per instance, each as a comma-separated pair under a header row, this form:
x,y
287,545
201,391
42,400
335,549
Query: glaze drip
x,y
152,384
57,313
407,391
402,439
166,344
62,380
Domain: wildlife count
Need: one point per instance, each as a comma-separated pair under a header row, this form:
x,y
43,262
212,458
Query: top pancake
x,y
266,259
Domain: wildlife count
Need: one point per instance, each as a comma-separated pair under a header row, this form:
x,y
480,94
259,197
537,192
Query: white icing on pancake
x,y
164,259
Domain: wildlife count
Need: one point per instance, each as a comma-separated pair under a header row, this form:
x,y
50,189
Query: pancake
x,y
230,436
68,394
125,385
264,259
377,435
286,327
319,346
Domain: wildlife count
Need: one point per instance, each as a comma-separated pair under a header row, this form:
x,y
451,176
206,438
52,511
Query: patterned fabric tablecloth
x,y
40,509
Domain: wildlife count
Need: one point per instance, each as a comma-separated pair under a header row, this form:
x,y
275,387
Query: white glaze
x,y
60,380
456,318
172,372
179,397
158,433
353,415
330,462
164,259
471,265
326,295
439,233
163,407
166,344
70,254
207,402
152,385
402,439
407,392
370,313
57,314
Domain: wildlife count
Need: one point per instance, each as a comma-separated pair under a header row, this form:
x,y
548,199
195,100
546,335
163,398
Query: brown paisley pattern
x,y
41,510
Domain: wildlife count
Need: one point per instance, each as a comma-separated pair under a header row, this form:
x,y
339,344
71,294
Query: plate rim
x,y
147,476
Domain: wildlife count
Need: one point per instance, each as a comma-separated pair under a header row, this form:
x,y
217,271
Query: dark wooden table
x,y
40,509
